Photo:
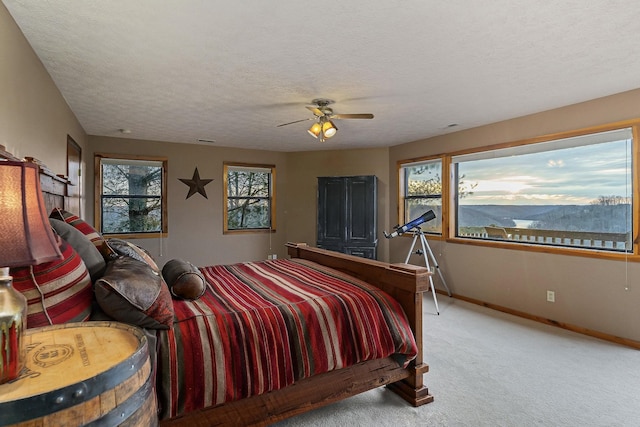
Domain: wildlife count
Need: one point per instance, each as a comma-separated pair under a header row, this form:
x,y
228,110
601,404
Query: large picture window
x,y
130,195
421,184
249,197
570,192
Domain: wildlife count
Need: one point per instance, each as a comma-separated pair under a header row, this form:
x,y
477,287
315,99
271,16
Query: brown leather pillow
x,y
184,279
131,291
131,250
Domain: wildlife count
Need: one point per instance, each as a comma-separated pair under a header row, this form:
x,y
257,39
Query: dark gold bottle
x,y
13,322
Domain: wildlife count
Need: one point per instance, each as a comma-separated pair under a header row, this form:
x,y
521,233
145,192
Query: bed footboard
x,y
406,283
304,395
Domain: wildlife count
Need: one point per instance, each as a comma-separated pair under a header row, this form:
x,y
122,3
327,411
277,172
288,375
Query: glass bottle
x,y
13,322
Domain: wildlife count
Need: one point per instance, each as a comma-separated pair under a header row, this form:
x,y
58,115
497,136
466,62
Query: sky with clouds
x,y
568,176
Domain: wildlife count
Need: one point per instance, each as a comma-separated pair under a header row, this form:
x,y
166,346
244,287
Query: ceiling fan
x,y
324,128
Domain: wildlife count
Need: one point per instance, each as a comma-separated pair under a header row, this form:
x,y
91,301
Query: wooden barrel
x,y
93,373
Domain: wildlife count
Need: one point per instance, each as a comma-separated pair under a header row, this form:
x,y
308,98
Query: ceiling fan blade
x,y
315,110
297,121
352,116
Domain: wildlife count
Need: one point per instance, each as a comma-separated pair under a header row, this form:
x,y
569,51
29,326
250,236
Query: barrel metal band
x,y
127,408
44,404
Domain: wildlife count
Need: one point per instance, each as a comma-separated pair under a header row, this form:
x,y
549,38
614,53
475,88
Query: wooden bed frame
x,y
406,283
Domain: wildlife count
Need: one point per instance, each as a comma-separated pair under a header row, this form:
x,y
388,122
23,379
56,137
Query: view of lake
x,y
523,223
591,218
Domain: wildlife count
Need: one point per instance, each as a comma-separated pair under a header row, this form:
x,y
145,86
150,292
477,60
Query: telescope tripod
x,y
426,251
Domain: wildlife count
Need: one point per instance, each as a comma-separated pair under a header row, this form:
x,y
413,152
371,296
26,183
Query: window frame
x,y
402,191
449,204
227,166
98,196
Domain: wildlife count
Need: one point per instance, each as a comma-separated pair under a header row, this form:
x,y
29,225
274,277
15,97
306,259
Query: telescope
x,y
427,216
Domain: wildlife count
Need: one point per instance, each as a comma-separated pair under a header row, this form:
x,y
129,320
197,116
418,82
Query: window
x,y
131,195
421,191
249,199
571,192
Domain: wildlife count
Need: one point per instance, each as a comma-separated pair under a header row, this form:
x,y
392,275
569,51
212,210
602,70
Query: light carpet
x,y
488,368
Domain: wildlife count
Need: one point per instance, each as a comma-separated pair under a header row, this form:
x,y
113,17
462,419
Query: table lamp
x,y
25,239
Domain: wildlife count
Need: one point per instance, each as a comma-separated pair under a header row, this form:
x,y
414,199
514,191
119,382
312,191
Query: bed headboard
x,y
54,187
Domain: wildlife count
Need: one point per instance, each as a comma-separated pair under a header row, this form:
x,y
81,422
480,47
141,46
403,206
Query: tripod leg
x,y
413,245
425,245
435,298
428,250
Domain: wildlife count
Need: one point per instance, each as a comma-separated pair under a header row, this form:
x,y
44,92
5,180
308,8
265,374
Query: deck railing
x,y
595,240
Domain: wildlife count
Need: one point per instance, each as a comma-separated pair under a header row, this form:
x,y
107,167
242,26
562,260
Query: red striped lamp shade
x,y
25,234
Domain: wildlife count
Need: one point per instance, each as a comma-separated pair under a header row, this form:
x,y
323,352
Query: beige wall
x,y
595,294
301,201
196,223
34,117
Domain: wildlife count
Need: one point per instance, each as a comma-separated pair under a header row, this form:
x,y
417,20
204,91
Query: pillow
x,y
131,291
184,279
65,285
88,252
131,250
86,229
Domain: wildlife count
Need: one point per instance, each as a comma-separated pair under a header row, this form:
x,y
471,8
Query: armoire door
x,y
331,212
361,209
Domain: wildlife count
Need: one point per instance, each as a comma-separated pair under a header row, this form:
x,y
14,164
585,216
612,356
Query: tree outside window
x,y
249,197
130,195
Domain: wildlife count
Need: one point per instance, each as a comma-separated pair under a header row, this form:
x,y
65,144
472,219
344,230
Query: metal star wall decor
x,y
196,184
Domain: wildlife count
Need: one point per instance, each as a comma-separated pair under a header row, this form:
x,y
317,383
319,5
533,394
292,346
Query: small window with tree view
x,y
421,184
249,197
572,192
130,195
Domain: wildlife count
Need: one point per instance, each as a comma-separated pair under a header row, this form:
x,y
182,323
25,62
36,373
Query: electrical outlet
x,y
272,256
551,296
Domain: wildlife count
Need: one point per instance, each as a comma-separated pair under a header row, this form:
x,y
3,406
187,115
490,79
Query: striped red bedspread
x,y
261,326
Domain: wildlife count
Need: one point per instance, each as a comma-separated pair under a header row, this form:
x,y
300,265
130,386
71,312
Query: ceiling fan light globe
x,y
330,133
315,130
329,129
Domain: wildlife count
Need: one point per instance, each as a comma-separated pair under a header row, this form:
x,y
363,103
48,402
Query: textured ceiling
x,y
230,71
